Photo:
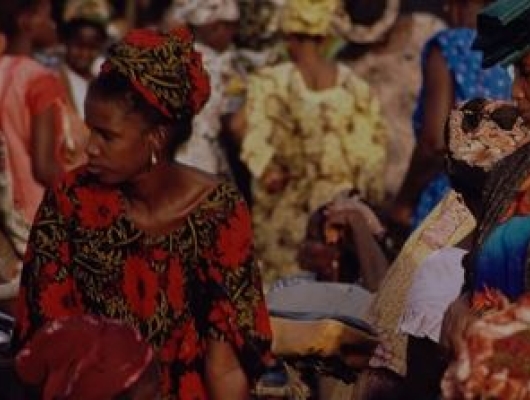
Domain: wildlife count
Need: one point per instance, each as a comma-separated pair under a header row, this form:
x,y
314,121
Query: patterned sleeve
x,y
47,288
236,309
266,115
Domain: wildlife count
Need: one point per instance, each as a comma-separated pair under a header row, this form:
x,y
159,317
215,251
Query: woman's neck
x,y
308,56
150,188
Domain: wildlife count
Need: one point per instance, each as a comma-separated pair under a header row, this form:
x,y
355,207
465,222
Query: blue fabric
x,y
501,260
470,81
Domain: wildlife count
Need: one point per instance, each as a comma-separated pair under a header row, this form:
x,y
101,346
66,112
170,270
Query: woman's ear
x,y
159,139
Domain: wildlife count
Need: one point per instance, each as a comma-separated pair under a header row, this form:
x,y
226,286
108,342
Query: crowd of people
x,y
167,167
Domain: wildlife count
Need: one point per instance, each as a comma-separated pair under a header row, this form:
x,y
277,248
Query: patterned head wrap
x,y
202,12
311,17
84,358
483,132
163,67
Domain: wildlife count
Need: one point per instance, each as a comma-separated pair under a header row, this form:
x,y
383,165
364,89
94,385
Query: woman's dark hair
x,y
113,85
365,12
69,29
10,10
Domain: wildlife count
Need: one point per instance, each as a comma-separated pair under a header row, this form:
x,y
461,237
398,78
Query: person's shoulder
x,y
30,67
279,72
219,194
352,82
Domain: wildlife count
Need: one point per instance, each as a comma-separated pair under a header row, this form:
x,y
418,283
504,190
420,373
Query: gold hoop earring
x,y
154,159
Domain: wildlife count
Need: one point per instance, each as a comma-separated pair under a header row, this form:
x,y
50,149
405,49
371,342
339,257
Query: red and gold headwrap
x,y
84,358
163,67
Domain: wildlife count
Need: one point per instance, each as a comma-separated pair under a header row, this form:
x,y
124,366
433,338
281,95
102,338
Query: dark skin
x,y
157,198
324,258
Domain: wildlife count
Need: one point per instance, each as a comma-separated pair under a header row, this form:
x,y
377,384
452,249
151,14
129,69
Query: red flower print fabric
x,y
197,283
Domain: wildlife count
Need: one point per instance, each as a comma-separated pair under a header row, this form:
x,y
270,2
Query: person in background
x,y
452,73
214,24
89,358
311,130
342,243
384,48
30,93
34,149
138,237
84,37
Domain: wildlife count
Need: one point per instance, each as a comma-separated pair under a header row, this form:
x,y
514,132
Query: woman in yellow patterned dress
x,y
312,129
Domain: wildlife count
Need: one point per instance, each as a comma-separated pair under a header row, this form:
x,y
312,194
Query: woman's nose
x,y
92,148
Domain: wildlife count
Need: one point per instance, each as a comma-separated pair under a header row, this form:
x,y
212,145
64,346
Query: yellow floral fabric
x,y
445,226
327,140
312,17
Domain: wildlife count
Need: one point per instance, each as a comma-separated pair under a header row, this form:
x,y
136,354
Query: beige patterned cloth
x,y
445,226
328,141
393,71
202,12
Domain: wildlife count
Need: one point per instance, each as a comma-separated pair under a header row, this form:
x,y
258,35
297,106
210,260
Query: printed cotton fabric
x,y
197,282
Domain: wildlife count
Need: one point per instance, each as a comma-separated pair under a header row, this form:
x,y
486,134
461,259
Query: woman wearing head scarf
x,y
313,129
137,237
89,358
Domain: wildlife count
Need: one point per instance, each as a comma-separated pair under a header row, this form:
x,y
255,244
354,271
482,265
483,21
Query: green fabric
x,y
503,32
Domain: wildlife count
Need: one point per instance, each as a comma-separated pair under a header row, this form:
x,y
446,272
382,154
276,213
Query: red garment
x,y
84,358
199,281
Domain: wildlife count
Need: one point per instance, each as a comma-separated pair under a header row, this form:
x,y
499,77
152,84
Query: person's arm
x,y
44,163
237,323
427,158
225,379
457,318
357,234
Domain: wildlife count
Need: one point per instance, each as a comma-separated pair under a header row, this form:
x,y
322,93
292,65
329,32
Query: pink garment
x,y
31,89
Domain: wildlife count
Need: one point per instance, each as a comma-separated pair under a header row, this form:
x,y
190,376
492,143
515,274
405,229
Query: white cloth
x,y
436,283
201,12
78,88
203,150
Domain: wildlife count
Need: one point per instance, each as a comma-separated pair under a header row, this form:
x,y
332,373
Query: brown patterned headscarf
x,y
164,68
483,132
84,358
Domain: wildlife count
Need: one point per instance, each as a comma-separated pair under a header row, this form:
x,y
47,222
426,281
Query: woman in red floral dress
x,y
137,237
